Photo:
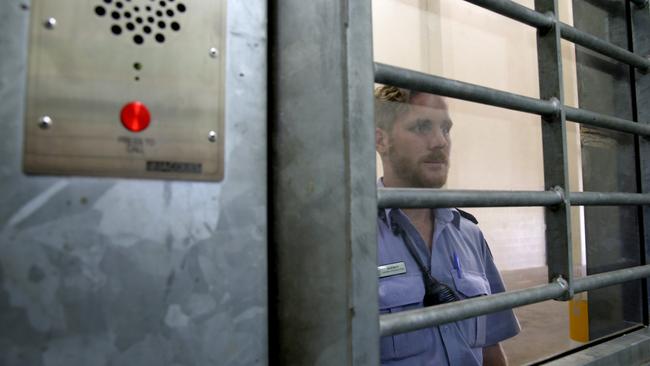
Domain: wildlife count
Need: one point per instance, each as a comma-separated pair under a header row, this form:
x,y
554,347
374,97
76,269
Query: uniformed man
x,y
429,256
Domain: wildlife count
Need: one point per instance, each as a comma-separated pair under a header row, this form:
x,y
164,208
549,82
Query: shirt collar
x,y
443,215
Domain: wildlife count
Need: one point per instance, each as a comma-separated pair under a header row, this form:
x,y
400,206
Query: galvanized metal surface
x,y
558,221
84,70
128,272
362,190
324,209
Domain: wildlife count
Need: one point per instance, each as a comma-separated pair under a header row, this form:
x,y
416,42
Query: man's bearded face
x,y
419,144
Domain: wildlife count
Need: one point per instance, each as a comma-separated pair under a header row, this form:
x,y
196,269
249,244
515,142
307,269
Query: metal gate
x,y
323,243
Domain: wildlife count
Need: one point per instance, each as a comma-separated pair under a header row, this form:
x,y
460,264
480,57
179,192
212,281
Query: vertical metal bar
x,y
362,192
323,194
640,43
558,224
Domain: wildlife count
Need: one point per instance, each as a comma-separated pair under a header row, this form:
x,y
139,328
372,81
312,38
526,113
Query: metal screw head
x,y
50,23
212,136
213,52
45,122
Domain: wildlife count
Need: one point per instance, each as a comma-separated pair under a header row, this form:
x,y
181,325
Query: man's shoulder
x,y
467,225
467,216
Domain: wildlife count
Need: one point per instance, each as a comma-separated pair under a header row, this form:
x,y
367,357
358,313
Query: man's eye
x,y
422,127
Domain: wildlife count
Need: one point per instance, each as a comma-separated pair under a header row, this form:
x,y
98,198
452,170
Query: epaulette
x,y
468,216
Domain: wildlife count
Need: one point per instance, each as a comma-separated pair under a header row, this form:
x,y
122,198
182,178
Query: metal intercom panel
x,y
126,88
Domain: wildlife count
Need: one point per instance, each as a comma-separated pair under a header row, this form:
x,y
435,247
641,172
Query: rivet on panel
x,y
214,53
212,136
50,23
45,122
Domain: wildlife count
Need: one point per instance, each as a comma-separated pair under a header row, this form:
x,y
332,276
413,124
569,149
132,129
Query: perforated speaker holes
x,y
142,20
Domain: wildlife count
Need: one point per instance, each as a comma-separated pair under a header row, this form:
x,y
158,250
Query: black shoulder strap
x,y
468,216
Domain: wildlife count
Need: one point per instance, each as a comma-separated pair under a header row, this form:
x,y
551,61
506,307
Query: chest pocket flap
x,y
399,293
402,291
472,284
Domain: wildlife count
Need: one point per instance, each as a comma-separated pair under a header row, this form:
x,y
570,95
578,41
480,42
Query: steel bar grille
x,y
554,114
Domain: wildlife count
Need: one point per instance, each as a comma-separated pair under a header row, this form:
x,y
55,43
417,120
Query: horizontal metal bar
x,y
606,48
430,198
433,198
414,80
605,121
431,316
517,12
608,199
533,18
427,317
610,278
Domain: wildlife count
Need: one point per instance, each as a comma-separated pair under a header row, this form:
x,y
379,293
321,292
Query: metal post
x,y
558,224
323,204
639,21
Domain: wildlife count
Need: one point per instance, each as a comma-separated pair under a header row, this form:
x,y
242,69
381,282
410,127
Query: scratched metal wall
x,y
130,272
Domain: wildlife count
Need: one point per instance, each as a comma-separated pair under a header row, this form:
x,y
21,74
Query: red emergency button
x,y
135,116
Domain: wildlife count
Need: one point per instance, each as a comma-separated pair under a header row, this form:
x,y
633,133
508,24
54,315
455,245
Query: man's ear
x,y
381,141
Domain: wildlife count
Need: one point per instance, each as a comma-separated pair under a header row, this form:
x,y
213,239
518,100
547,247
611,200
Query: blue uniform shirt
x,y
461,259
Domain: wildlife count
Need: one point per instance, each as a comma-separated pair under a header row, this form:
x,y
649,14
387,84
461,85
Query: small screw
x,y
50,23
214,53
212,136
45,122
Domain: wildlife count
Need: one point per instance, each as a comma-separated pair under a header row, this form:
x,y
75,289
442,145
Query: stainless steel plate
x,y
89,59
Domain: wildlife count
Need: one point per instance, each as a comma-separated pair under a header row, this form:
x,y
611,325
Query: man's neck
x,y
421,218
423,221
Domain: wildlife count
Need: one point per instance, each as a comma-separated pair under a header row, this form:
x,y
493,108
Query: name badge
x,y
391,269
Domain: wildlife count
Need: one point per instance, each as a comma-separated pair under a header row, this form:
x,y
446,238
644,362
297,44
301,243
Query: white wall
x,y
492,148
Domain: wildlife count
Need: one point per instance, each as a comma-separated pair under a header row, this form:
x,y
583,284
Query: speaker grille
x,y
142,20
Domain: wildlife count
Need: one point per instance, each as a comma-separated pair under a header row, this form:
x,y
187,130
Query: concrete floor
x,y
544,326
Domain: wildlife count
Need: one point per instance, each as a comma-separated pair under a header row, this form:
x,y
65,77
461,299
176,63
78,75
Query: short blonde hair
x,y
390,102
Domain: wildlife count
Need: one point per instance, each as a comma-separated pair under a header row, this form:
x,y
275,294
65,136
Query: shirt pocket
x,y
470,284
397,294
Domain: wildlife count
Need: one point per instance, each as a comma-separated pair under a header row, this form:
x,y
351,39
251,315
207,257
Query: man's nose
x,y
438,139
